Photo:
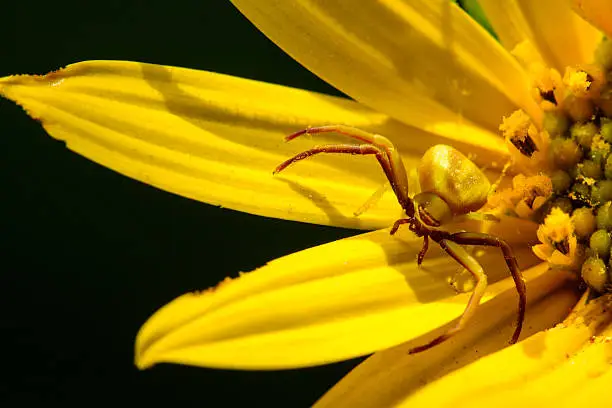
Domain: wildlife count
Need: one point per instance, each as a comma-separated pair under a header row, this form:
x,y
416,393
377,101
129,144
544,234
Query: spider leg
x,y
469,263
423,250
392,164
477,238
364,149
397,224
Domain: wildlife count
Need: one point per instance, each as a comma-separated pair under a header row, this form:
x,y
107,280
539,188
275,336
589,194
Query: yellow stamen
x,y
527,145
548,88
559,245
578,82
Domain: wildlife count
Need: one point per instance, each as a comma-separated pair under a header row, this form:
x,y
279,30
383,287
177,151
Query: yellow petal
x,y
509,23
597,12
423,62
552,368
391,376
217,139
560,36
324,304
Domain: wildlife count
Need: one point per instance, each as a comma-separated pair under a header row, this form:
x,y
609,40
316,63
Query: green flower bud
x,y
583,133
590,169
601,192
608,168
595,274
606,129
604,216
565,153
561,181
584,222
600,243
556,124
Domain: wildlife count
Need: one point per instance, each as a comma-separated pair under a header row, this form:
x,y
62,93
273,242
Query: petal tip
x,y
143,361
142,350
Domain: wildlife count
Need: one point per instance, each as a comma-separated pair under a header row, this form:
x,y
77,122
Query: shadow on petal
x,y
391,376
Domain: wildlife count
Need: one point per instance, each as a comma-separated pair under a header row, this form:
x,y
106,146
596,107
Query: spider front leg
x,y
386,154
425,246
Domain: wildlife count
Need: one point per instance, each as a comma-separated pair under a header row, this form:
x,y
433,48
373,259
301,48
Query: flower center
x,y
566,167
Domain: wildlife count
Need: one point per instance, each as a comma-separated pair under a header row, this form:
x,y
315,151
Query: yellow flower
x,y
422,73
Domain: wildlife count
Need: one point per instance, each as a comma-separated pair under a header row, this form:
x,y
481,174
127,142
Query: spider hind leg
x,y
468,262
478,238
452,245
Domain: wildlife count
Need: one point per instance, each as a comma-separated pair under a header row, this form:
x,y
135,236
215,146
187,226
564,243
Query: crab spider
x,y
451,186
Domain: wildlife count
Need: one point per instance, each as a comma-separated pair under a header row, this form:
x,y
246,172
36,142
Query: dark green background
x,y
87,254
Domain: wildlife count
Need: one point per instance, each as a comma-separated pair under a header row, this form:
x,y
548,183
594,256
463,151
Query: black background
x,y
87,255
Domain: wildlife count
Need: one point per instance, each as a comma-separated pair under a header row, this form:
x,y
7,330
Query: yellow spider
x,y
451,185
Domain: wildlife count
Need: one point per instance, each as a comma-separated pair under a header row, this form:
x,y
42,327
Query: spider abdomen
x,y
448,173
